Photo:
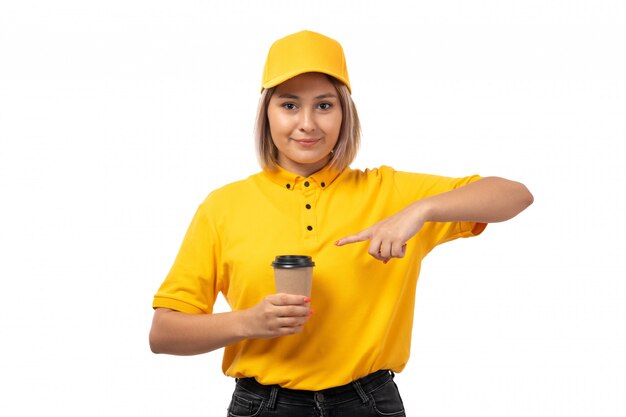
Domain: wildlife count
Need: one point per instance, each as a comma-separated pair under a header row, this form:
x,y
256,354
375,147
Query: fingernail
x,y
311,312
337,243
385,261
307,299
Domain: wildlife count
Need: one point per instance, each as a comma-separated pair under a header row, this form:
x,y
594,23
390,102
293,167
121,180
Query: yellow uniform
x,y
363,308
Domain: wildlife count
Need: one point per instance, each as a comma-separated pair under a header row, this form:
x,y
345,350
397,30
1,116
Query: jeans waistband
x,y
355,389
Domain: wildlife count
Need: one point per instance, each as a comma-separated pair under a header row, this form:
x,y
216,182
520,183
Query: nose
x,y
307,120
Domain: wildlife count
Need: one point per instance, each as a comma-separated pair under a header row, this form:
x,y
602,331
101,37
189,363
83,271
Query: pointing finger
x,y
358,237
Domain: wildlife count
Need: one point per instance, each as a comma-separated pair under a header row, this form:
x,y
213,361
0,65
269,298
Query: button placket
x,y
309,196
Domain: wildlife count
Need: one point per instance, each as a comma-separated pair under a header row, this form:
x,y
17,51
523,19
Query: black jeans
x,y
373,395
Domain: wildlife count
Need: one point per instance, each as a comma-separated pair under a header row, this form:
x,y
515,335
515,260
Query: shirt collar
x,y
289,181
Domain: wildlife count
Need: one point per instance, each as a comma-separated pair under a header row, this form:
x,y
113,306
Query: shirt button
x,y
306,183
308,206
323,184
288,186
309,228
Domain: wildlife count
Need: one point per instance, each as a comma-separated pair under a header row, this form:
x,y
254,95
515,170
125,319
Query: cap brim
x,y
289,75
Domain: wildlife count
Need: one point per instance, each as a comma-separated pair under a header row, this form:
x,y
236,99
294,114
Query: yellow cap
x,y
302,52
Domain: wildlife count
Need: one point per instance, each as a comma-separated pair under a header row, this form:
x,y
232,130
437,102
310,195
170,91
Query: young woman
x,y
367,232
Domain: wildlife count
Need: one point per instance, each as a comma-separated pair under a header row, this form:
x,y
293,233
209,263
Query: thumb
x,y
358,237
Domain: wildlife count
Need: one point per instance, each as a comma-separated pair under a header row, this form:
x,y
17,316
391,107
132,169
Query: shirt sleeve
x,y
414,186
192,284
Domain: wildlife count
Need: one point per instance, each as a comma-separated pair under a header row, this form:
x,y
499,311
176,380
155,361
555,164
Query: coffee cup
x,y
293,274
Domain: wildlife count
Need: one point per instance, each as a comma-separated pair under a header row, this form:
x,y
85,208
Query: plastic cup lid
x,y
293,261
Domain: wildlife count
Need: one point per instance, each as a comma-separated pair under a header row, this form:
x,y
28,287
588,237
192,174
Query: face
x,y
305,116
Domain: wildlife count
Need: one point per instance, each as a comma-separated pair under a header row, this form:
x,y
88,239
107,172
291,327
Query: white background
x,y
118,117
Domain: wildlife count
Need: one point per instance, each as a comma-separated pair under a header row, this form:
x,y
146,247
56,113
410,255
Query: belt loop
x,y
393,374
272,403
359,389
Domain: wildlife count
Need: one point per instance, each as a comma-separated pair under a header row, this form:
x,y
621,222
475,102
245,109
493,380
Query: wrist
x,y
423,210
243,328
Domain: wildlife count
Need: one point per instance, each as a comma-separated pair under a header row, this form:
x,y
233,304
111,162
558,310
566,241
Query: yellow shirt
x,y
363,308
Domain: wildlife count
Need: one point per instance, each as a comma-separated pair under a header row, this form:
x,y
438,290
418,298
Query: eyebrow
x,y
295,97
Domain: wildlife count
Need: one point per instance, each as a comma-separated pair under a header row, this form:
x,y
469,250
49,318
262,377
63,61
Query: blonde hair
x,y
349,135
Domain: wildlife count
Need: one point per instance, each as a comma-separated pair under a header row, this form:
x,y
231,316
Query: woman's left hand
x,y
388,237
487,200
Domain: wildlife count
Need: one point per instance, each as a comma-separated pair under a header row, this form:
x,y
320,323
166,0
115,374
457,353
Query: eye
x,y
325,106
288,106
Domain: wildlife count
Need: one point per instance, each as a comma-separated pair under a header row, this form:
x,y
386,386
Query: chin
x,y
309,161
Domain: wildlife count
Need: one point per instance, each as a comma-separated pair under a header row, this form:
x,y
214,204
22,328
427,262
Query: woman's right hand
x,y
277,315
179,333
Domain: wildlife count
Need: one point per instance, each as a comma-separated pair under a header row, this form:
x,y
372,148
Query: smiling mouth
x,y
306,142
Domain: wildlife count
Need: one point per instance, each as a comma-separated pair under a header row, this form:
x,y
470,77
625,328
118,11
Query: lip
x,y
307,142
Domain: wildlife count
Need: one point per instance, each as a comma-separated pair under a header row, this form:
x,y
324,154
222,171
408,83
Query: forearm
x,y
488,200
275,315
179,333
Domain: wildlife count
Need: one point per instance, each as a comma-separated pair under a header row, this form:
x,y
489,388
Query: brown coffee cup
x,y
293,274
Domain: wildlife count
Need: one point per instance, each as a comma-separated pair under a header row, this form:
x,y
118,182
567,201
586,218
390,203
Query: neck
x,y
304,170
